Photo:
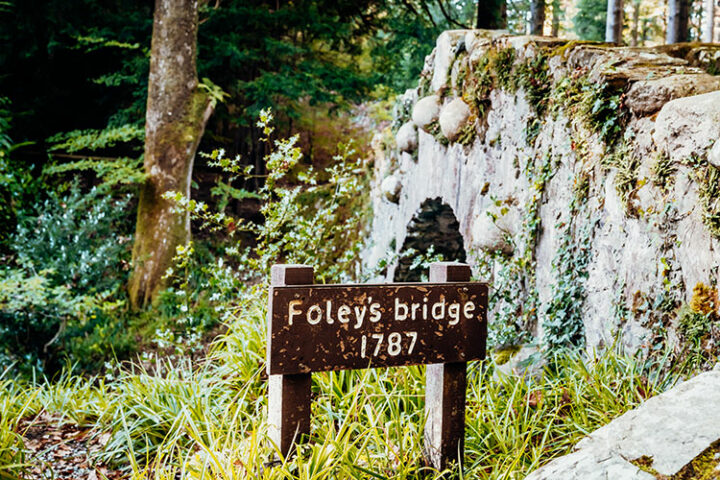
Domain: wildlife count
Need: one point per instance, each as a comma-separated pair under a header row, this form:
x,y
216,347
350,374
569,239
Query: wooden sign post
x,y
315,328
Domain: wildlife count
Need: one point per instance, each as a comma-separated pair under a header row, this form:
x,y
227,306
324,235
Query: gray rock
x,y
407,138
391,188
453,117
688,126
426,111
648,96
714,154
493,229
672,428
444,56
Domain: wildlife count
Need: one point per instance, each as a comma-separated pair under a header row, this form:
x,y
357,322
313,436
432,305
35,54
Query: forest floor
x,y
61,451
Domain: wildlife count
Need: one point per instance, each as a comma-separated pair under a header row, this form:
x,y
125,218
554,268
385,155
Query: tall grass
x,y
208,420
14,405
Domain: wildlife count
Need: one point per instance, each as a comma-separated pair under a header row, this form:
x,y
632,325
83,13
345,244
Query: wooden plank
x,y
289,395
334,327
445,390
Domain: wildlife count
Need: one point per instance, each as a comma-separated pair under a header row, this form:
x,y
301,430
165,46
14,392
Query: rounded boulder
x,y
453,118
426,111
391,188
407,138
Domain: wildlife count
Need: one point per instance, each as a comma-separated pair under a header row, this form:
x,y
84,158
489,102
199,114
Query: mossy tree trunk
x,y
614,21
491,14
537,17
635,29
177,111
678,19
556,14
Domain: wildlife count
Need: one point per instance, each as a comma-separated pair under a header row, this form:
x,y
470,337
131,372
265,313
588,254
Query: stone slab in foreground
x,y
672,429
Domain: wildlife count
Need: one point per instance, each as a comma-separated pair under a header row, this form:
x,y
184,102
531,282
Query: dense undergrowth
x,y
204,415
208,420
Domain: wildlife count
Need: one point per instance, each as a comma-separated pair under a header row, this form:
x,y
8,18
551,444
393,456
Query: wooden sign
x,y
335,327
314,328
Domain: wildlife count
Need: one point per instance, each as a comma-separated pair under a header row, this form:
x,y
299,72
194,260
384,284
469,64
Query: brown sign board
x,y
334,327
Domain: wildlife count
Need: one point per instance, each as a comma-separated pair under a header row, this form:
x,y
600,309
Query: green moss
x,y
581,188
505,354
477,88
468,133
598,105
424,86
533,77
492,70
564,50
502,63
645,463
532,130
697,326
703,467
693,326
434,130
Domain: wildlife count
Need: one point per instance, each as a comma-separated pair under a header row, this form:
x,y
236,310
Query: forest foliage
x,y
72,109
272,183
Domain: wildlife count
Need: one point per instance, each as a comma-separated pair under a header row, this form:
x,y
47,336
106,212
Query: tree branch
x,y
427,11
449,18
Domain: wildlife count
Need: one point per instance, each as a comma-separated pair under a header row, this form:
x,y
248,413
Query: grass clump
x,y
708,179
596,104
532,76
14,404
208,420
663,172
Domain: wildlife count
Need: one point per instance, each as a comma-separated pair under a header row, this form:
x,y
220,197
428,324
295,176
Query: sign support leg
x,y
445,386
289,395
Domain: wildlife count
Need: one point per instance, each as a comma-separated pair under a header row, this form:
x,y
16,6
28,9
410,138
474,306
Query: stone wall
x,y
582,176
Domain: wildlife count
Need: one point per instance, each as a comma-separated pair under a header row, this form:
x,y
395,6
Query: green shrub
x,y
310,217
63,288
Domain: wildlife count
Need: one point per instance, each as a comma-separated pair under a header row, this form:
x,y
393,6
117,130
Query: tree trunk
x,y
537,17
491,14
678,17
177,111
556,13
709,26
614,22
635,32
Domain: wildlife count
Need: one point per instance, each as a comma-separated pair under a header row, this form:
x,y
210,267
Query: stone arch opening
x,y
433,225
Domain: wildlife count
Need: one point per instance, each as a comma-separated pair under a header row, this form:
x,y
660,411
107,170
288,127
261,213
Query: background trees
x,y
74,106
614,22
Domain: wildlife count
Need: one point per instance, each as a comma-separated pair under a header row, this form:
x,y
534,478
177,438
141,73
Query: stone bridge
x,y
581,179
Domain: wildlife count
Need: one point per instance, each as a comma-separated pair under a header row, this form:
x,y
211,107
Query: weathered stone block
x,y
444,56
688,126
493,229
648,96
671,429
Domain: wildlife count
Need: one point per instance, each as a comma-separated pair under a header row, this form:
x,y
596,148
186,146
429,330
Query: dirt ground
x,y
60,451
